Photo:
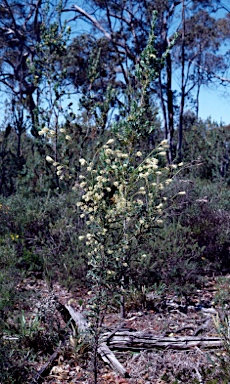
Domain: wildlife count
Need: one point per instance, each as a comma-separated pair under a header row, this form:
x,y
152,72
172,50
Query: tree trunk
x,y
170,106
182,102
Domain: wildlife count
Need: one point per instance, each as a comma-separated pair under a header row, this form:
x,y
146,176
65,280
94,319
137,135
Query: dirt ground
x,y
169,317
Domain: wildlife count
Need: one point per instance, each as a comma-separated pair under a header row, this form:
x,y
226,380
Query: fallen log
x,y
127,340
123,339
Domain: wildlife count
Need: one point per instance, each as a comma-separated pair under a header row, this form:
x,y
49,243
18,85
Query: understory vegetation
x,y
42,236
107,200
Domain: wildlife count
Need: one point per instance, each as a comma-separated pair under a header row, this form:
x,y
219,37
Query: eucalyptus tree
x,y
125,25
32,40
199,50
117,38
19,28
22,26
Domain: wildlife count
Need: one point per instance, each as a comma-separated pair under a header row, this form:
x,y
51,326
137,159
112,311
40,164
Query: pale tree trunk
x,y
182,102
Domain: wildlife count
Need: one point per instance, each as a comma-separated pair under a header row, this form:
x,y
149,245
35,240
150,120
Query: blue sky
x,y
215,103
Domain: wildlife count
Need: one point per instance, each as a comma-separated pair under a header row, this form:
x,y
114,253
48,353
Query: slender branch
x,y
93,20
222,79
98,25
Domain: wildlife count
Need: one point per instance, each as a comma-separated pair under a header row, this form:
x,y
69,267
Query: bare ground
x,y
73,363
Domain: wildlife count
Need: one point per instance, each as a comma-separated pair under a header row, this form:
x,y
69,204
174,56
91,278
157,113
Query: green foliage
x,y
28,172
208,142
38,237
47,75
170,256
23,341
11,164
141,118
27,328
11,373
207,214
43,237
9,277
222,296
121,199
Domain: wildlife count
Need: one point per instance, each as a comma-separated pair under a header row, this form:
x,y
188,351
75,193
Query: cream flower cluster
x,y
115,189
119,201
61,169
51,133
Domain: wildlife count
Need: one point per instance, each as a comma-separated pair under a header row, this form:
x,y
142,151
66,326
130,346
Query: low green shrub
x,y
171,257
43,233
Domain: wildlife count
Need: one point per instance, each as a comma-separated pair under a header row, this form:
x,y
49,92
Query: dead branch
x,y
93,20
78,318
110,36
202,328
40,374
108,357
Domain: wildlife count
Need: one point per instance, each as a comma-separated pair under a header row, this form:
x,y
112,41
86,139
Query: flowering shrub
x,y
122,190
122,198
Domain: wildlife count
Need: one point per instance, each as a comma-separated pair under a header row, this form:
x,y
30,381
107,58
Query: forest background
x,y
95,89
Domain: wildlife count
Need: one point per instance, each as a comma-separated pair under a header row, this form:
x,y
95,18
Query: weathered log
x,y
131,340
127,340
